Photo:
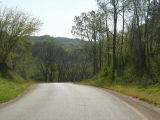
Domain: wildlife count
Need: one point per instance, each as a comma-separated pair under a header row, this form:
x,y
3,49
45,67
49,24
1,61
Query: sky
x,y
57,15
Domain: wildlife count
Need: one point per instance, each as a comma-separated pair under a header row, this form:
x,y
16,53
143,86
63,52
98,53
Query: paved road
x,y
69,102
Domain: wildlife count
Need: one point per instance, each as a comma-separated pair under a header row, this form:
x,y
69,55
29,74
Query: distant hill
x,y
61,40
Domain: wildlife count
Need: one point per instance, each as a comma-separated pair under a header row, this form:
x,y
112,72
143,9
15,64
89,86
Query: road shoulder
x,y
152,112
25,92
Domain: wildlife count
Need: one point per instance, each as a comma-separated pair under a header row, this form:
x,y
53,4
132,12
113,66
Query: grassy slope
x,y
12,86
150,94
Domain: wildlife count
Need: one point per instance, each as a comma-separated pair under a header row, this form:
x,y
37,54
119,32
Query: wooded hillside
x,y
124,39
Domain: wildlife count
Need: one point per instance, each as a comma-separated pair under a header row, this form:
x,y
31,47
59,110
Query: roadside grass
x,y
150,94
11,86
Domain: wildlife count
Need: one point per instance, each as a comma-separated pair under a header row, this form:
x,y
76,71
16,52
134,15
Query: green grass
x,y
11,86
149,94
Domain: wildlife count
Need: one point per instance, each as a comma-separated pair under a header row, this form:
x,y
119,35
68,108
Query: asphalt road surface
x,y
67,101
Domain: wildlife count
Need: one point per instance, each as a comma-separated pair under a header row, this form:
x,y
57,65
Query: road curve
x,y
67,101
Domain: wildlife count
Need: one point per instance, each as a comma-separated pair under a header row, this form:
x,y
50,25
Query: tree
x,y
124,34
14,26
90,26
113,8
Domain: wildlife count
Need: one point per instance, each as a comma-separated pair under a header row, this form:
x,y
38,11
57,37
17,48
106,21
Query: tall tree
x,y
15,25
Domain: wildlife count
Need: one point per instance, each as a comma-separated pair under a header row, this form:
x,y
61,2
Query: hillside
x,y
61,40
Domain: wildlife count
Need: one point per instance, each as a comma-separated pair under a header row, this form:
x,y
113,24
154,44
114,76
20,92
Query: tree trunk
x,y
114,42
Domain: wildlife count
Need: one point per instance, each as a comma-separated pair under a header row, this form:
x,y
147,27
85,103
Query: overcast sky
x,y
57,15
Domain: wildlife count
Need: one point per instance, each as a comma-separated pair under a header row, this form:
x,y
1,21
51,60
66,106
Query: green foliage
x,y
130,53
56,62
14,26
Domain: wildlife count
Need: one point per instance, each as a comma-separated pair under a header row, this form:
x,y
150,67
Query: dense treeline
x,y
14,26
121,38
124,39
58,64
41,58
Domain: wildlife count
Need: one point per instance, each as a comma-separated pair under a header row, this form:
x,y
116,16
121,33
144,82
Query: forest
x,y
121,40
